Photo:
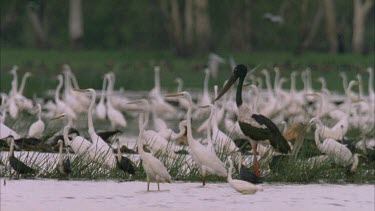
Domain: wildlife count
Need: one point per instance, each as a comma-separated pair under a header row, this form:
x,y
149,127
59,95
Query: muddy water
x,y
50,195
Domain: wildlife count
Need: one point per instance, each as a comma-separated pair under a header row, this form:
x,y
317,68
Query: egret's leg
x,y
204,176
158,187
148,184
255,167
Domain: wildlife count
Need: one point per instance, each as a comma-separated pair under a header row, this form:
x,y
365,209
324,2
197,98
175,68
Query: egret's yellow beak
x,y
312,94
134,102
204,106
81,90
174,95
58,117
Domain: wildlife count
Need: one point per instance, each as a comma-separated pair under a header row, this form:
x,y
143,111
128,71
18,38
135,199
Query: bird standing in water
x,y
256,126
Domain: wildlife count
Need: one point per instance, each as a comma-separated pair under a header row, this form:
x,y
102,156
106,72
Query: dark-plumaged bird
x,y
64,162
255,126
245,174
16,164
123,162
106,135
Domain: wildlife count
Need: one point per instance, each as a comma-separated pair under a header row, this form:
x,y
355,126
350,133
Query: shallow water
x,y
111,195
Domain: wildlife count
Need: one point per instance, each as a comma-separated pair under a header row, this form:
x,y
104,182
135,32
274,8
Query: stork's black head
x,y
240,71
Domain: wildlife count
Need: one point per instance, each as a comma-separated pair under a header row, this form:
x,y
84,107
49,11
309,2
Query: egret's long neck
x,y
57,93
103,90
157,80
179,86
316,136
39,112
141,137
89,114
206,80
188,117
67,83
74,80
320,109
14,82
66,131
239,92
277,78
360,87
255,101
371,83
308,80
23,82
344,82
60,148
210,124
324,84
268,82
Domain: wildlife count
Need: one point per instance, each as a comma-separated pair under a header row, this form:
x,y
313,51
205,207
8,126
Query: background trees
x,y
191,26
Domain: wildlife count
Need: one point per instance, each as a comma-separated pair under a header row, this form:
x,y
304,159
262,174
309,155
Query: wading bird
x,y
79,145
155,170
240,185
37,128
206,160
256,126
64,161
124,163
15,163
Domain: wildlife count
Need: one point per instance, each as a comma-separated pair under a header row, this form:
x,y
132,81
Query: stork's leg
x,y
255,168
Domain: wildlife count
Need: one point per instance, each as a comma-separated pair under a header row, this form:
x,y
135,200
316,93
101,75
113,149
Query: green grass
x,y
292,169
134,69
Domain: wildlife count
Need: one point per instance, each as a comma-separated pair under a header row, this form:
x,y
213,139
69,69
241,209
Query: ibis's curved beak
x,y
230,82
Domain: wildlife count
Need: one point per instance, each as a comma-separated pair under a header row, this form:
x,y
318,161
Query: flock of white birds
x,y
343,111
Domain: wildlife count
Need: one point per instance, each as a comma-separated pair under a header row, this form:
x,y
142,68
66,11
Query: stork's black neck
x,y
239,92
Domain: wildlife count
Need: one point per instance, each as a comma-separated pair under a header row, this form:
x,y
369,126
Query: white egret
x,y
99,146
37,128
206,160
155,170
153,139
114,115
61,106
101,110
241,185
79,145
339,152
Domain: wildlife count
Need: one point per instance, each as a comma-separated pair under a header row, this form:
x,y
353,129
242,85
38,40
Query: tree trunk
x,y
189,33
240,26
331,25
202,24
314,27
75,23
303,30
36,19
177,28
360,12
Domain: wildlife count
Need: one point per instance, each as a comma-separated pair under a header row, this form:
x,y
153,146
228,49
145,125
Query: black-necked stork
x,y
15,163
255,126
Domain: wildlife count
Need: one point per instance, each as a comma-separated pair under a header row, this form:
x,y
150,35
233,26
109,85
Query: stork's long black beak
x,y
230,82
